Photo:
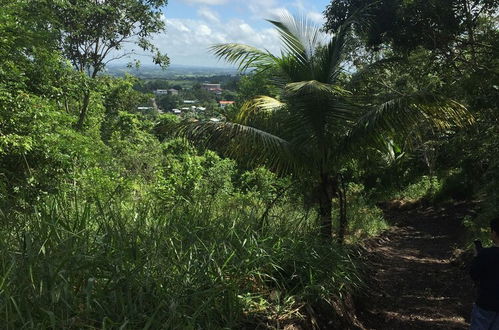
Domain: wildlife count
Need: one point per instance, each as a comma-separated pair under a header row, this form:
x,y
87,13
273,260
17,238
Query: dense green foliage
x,y
195,253
407,25
115,224
108,220
448,47
315,126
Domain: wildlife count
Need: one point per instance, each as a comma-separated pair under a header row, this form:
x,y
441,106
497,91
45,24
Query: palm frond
x,y
321,102
408,115
260,106
315,87
334,54
243,55
242,142
291,69
331,57
300,39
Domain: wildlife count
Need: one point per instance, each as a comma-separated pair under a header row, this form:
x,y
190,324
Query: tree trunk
x,y
326,191
86,98
83,111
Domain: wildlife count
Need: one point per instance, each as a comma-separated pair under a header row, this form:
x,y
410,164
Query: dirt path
x,y
415,283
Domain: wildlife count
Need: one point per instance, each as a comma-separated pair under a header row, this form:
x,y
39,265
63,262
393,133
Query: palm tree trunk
x,y
326,190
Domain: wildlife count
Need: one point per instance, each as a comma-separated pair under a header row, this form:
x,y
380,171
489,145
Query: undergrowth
x,y
72,263
365,218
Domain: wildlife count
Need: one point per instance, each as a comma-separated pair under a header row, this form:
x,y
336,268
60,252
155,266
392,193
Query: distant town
x,y
189,105
194,93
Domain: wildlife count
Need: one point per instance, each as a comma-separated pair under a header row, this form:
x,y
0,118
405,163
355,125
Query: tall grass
x,y
364,218
137,265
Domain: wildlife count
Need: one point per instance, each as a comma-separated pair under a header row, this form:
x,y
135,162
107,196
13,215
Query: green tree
x,y
445,45
28,57
168,102
201,94
36,87
254,84
312,129
135,149
93,33
407,25
119,96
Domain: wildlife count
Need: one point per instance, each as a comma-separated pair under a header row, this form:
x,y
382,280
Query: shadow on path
x,y
415,284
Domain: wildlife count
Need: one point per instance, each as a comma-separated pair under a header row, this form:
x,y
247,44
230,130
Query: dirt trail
x,y
416,284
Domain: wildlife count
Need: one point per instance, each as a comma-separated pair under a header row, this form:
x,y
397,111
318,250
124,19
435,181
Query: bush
x,y
456,185
364,218
425,187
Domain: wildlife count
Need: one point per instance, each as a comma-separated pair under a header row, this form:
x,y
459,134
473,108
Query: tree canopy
x,y
90,34
435,24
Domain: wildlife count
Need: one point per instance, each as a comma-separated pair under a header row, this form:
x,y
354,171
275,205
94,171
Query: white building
x,y
212,87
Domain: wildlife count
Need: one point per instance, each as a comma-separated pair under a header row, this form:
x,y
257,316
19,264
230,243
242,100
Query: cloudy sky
x,y
193,25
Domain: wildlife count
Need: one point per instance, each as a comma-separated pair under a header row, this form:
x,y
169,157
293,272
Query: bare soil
x,y
415,278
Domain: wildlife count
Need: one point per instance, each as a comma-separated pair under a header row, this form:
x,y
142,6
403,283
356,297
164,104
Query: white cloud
x,y
203,30
271,9
299,5
316,17
266,9
181,27
208,14
207,2
187,41
277,13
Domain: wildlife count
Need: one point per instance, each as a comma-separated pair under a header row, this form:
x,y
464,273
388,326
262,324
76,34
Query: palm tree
x,y
314,125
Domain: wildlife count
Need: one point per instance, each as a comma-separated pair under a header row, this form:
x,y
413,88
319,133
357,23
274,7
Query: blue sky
x,y
193,25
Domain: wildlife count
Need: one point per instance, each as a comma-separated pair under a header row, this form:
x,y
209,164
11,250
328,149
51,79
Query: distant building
x,y
189,102
201,108
144,108
161,91
223,104
173,91
214,88
177,111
